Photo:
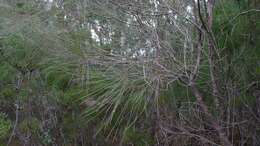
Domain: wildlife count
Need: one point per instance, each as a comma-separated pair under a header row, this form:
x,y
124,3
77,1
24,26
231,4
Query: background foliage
x,y
102,72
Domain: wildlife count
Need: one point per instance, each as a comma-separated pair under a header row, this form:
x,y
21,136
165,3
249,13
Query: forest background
x,y
129,72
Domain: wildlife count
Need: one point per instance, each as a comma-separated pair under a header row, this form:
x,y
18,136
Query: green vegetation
x,y
5,126
137,73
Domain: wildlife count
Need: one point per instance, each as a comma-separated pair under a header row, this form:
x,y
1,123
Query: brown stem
x,y
216,93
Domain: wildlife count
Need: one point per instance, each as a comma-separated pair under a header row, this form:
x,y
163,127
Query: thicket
x,y
142,73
